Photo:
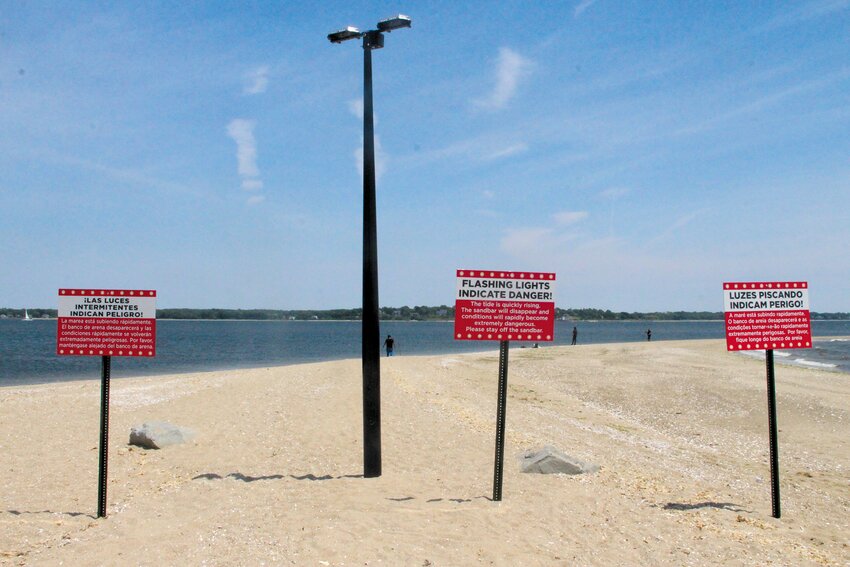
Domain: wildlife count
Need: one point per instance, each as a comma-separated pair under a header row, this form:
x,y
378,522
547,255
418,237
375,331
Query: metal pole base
x,y
500,421
774,441
106,363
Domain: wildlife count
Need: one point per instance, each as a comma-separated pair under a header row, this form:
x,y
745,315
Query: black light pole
x,y
373,39
371,319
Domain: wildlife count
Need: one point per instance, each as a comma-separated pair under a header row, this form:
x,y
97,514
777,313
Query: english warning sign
x,y
106,322
496,305
767,315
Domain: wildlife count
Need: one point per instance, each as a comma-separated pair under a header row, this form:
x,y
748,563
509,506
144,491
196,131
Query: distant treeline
x,y
418,313
6,313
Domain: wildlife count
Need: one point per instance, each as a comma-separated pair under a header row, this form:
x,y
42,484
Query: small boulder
x,y
159,434
549,460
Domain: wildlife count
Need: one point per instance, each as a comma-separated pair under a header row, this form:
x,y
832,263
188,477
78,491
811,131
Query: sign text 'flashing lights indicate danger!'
x,y
497,305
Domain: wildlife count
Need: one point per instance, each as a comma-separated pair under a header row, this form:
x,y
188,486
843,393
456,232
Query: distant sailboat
x,y
27,316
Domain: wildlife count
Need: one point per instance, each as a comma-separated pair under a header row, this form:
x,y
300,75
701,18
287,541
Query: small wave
x,y
786,360
760,353
814,364
839,340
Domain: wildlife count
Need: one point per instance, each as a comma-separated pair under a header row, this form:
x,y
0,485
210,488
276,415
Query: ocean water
x,y
27,349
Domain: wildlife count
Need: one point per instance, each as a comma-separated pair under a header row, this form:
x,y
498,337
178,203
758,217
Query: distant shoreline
x,y
416,313
801,359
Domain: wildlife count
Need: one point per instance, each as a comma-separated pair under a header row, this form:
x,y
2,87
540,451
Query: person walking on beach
x,y
575,335
649,334
388,343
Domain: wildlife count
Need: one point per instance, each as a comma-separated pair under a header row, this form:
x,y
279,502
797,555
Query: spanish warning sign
x,y
106,322
496,305
767,315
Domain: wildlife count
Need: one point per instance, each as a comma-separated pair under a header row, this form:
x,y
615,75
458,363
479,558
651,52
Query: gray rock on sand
x,y
549,460
159,434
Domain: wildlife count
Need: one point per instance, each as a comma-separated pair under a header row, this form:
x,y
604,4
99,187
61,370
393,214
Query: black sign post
x,y
500,421
106,363
88,325
488,307
774,443
766,316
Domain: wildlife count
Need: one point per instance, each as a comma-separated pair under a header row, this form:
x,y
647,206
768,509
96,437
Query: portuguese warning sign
x,y
767,315
106,322
497,305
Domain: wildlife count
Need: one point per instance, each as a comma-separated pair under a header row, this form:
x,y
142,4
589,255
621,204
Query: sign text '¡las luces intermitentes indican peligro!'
x,y
106,307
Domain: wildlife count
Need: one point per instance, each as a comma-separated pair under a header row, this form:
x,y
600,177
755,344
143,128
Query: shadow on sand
x,y
245,478
50,512
434,500
311,477
682,507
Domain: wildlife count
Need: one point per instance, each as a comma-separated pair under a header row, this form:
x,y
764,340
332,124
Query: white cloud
x,y
242,132
252,184
802,12
566,218
615,193
508,151
765,102
126,176
256,81
582,6
684,220
543,243
592,268
511,67
520,242
255,199
480,149
677,225
381,159
355,107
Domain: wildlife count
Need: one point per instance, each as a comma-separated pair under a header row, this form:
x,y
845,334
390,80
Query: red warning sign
x,y
498,305
767,315
106,322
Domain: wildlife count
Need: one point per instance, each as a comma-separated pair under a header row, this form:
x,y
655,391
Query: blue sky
x,y
645,152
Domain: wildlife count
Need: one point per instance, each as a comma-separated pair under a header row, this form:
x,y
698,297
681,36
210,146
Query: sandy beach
x,y
273,476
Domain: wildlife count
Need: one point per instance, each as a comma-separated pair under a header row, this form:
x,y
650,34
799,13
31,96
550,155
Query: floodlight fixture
x,y
344,35
398,22
373,40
